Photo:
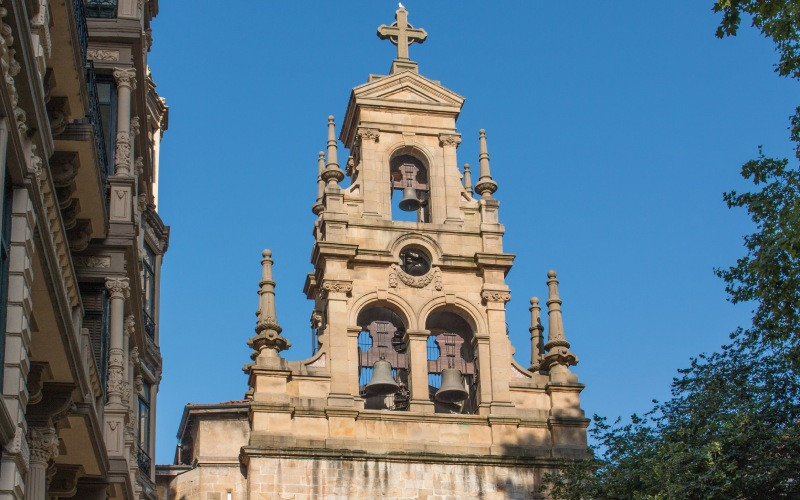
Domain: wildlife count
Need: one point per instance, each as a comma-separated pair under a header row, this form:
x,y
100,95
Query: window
x,y
5,254
96,308
107,98
106,9
149,268
143,430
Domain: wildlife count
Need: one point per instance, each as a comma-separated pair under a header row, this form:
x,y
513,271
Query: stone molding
x,y
496,296
337,286
434,275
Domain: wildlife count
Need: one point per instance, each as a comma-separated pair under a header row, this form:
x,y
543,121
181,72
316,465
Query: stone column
x,y
126,82
418,376
116,411
499,348
343,370
450,179
43,444
536,329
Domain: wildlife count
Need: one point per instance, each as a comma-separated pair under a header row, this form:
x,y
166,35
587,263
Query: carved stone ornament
x,y
125,77
369,134
495,296
118,287
103,55
43,444
434,275
122,159
449,139
93,262
336,286
559,355
115,383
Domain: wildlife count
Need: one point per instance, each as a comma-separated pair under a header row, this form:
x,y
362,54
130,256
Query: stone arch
x,y
422,240
461,307
389,300
409,148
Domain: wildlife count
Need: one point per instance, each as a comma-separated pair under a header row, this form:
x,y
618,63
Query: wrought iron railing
x,y
143,460
149,325
80,23
95,120
105,9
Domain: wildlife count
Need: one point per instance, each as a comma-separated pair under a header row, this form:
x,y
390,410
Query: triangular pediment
x,y
408,87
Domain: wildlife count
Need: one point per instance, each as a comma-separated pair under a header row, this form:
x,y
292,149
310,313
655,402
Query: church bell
x,y
452,390
410,202
382,383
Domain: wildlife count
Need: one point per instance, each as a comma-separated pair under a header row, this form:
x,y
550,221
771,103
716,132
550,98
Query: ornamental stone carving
x,y
336,286
93,262
449,139
122,159
496,296
118,287
370,134
125,77
43,444
434,275
102,55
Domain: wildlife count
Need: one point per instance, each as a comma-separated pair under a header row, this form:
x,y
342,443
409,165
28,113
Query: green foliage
x,y
731,428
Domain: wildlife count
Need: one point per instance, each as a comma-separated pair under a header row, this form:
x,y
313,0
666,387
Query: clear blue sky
x,y
613,129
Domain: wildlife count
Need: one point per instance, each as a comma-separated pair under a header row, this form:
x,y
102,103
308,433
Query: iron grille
x,y
104,9
149,325
80,24
143,460
94,119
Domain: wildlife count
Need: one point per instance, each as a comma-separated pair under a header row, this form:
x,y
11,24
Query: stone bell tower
x,y
412,389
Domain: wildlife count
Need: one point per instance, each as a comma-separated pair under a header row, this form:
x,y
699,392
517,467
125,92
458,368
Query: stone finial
x,y
537,337
332,174
486,185
268,341
467,179
318,205
558,352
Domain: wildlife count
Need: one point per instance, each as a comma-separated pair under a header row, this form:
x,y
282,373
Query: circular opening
x,y
415,261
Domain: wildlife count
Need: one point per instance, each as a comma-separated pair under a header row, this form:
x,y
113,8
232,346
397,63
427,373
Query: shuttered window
x,y
96,306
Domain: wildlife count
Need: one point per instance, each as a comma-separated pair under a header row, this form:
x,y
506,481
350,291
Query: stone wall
x,y
334,478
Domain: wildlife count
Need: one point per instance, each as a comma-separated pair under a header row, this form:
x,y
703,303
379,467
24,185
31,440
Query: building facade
x,y
82,244
412,390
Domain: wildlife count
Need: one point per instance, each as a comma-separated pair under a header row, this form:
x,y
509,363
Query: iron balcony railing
x,y
95,120
143,460
105,9
80,23
149,325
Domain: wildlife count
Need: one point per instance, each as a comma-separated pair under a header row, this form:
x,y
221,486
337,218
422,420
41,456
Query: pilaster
x,y
418,376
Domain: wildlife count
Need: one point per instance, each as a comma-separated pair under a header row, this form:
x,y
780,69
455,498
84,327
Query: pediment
x,y
408,87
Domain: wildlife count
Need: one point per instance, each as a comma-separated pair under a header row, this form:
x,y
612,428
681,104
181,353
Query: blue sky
x,y
613,129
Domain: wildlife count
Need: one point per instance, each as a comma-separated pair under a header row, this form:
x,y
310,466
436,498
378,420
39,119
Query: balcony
x,y
149,325
95,121
103,9
143,460
80,24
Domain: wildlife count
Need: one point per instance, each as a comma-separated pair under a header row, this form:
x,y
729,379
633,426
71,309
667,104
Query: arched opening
x,y
382,338
450,345
410,189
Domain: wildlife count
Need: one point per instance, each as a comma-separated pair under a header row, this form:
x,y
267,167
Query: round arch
x,y
423,240
389,300
463,308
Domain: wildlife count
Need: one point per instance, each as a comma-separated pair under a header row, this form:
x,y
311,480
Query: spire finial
x,y
537,339
558,352
268,340
318,205
467,179
402,34
486,185
332,174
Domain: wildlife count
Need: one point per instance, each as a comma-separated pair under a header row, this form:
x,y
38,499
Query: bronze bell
x,y
452,390
382,383
410,202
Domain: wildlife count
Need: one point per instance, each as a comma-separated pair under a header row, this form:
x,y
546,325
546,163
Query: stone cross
x,y
401,33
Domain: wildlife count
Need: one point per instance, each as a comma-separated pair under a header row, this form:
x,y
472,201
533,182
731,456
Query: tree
x,y
732,426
